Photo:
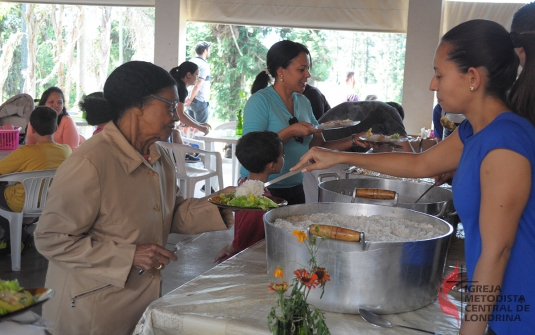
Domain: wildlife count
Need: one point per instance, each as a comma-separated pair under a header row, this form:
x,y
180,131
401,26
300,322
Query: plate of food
x,y
14,299
336,124
379,138
249,197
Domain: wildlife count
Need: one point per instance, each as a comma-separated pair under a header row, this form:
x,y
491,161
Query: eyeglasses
x,y
172,104
294,120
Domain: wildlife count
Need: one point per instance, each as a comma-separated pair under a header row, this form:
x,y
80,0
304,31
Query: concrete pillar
x,y
423,34
169,33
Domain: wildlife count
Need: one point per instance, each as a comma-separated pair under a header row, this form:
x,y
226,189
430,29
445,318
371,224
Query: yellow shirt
x,y
43,156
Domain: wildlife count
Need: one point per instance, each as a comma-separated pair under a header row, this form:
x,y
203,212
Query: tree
x,y
6,59
237,56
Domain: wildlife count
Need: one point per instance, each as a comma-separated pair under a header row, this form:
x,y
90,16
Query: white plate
x,y
337,125
383,139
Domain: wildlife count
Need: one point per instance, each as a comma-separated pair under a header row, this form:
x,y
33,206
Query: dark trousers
x,y
199,110
294,195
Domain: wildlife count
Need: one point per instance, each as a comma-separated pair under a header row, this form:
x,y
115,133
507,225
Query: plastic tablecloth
x,y
233,298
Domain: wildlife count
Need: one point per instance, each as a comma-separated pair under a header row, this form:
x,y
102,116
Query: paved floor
x,y
193,259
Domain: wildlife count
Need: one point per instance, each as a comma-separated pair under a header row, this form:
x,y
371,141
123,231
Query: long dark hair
x,y
280,54
44,98
521,98
487,44
182,70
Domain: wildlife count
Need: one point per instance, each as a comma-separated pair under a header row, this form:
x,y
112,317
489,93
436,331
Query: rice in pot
x,y
377,228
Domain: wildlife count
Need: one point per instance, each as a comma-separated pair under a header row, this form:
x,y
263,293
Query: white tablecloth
x,y
233,298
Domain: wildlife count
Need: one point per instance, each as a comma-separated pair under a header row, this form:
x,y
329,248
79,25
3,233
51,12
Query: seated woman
x,y
67,132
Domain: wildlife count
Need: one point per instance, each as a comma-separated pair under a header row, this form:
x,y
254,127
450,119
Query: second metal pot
x,y
438,202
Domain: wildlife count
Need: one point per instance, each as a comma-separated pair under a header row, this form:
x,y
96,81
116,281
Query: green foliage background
x,y
237,56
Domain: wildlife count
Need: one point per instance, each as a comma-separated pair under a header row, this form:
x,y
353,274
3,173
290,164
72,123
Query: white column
x,y
169,33
423,35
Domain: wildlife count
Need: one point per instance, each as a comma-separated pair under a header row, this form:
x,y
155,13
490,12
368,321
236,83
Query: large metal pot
x,y
384,277
438,201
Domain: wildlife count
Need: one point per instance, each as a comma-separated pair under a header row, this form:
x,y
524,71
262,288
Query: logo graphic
x,y
444,302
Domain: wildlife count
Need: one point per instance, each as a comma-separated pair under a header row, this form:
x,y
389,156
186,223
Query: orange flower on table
x,y
323,275
301,236
307,279
279,288
279,272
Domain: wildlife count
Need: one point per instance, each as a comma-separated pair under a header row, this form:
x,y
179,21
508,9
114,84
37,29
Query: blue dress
x,y
266,111
514,311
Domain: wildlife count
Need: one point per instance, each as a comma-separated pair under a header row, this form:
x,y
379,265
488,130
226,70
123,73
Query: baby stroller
x,y
16,111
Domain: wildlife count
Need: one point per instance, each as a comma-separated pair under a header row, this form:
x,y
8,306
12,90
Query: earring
x,y
472,88
282,79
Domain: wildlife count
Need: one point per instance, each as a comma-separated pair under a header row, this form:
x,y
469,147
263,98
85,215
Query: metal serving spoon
x,y
429,189
379,321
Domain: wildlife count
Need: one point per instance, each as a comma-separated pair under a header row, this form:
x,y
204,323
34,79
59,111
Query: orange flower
x,y
323,275
310,281
279,272
279,288
301,235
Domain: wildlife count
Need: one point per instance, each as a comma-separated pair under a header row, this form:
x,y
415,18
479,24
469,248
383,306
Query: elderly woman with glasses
x,y
111,208
281,109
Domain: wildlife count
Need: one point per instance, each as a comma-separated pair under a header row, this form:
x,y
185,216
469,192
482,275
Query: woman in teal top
x,y
279,108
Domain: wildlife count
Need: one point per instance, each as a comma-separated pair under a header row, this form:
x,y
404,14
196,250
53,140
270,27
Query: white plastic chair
x,y
36,185
188,175
226,125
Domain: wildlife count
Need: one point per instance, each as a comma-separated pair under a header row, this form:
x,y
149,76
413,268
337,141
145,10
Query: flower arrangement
x,y
293,315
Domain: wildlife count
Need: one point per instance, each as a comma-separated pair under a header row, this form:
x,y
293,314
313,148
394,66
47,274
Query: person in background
x,y
198,101
523,21
398,107
371,97
493,151
438,130
281,109
262,154
319,103
381,117
111,208
96,110
350,87
67,133
186,75
45,154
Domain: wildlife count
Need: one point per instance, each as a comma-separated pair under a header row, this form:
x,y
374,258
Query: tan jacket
x,y
105,200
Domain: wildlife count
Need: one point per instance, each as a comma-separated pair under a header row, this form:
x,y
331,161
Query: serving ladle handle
x,y
336,233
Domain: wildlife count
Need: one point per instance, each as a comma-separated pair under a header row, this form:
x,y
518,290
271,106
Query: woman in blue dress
x,y
281,109
493,151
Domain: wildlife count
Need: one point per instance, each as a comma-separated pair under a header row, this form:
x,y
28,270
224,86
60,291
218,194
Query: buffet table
x,y
233,298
